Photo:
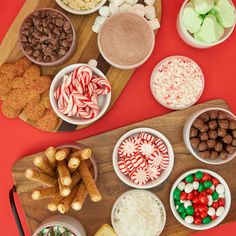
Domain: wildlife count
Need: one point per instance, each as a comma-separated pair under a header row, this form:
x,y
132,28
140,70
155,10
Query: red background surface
x,y
135,104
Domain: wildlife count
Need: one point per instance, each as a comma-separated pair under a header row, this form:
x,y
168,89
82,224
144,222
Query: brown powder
x,y
126,39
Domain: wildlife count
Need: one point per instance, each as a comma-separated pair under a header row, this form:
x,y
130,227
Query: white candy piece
x,y
210,200
188,188
222,195
181,186
149,2
96,28
189,219
187,203
220,188
118,2
211,211
195,185
150,12
125,7
131,2
154,23
105,11
138,11
100,20
114,8
220,210
212,187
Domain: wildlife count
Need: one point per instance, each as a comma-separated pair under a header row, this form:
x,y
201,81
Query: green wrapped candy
x,y
206,220
177,202
203,6
176,194
190,210
215,196
181,209
189,179
207,184
183,215
199,174
201,187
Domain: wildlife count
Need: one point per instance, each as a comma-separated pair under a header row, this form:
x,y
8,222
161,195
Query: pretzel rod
x,y
83,154
65,203
64,190
89,182
52,205
43,193
64,173
73,163
50,154
62,153
39,177
43,165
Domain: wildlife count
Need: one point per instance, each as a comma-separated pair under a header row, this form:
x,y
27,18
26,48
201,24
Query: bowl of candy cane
x,y
143,158
200,199
80,94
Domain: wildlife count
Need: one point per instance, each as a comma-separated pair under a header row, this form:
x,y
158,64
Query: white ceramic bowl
x,y
212,223
186,136
154,91
165,173
64,221
80,12
190,40
103,100
135,191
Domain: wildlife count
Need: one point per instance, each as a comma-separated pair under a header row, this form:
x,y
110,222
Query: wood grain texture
x,y
86,49
94,215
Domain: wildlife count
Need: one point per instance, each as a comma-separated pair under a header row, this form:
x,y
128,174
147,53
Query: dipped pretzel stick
x,y
89,182
52,205
42,193
43,165
39,177
64,173
50,154
62,153
64,190
73,163
83,154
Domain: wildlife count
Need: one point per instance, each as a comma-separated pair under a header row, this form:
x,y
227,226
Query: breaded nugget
x,y
17,98
18,82
9,69
46,100
33,97
22,65
8,111
5,83
31,74
34,112
48,122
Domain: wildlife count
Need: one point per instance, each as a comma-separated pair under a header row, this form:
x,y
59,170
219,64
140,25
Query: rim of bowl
x,y
61,60
80,12
195,41
165,173
202,226
153,75
186,135
57,80
123,67
143,191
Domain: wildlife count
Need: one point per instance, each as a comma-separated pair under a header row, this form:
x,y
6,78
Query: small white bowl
x,y
190,40
80,12
212,223
186,136
164,175
103,100
136,191
64,221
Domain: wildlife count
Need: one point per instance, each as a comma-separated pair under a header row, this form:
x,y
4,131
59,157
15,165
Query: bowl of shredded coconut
x,y
138,213
177,82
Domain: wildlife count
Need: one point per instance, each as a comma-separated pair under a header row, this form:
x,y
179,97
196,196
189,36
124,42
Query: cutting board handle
x,y
14,210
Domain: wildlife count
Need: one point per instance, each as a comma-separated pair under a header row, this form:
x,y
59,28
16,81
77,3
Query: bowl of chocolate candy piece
x,y
47,37
81,7
210,135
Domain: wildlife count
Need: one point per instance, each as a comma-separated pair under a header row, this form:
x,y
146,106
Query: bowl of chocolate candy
x,y
210,135
47,37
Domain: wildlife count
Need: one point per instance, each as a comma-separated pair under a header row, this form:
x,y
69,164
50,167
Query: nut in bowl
x,y
200,199
210,135
143,158
80,94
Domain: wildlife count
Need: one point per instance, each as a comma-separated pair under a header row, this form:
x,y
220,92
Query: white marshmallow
x,y
149,2
96,28
137,11
131,2
100,20
125,7
138,5
150,12
114,8
118,2
154,23
105,11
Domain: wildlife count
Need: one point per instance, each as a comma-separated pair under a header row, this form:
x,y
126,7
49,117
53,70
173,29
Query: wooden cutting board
x,y
87,49
93,215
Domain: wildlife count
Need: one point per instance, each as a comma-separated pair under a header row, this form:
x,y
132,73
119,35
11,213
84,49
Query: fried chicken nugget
x,y
17,98
31,74
41,84
5,83
8,111
48,122
34,112
22,65
9,69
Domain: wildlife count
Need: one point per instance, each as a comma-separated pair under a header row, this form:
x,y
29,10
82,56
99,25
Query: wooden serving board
x,y
87,49
93,215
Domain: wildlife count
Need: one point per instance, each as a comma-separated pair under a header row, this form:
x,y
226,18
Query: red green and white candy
x,y
199,198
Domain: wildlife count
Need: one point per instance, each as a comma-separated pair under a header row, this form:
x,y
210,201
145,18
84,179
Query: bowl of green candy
x,y
206,23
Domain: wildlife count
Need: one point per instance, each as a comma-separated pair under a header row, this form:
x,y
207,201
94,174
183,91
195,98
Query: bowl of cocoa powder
x,y
47,37
210,135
